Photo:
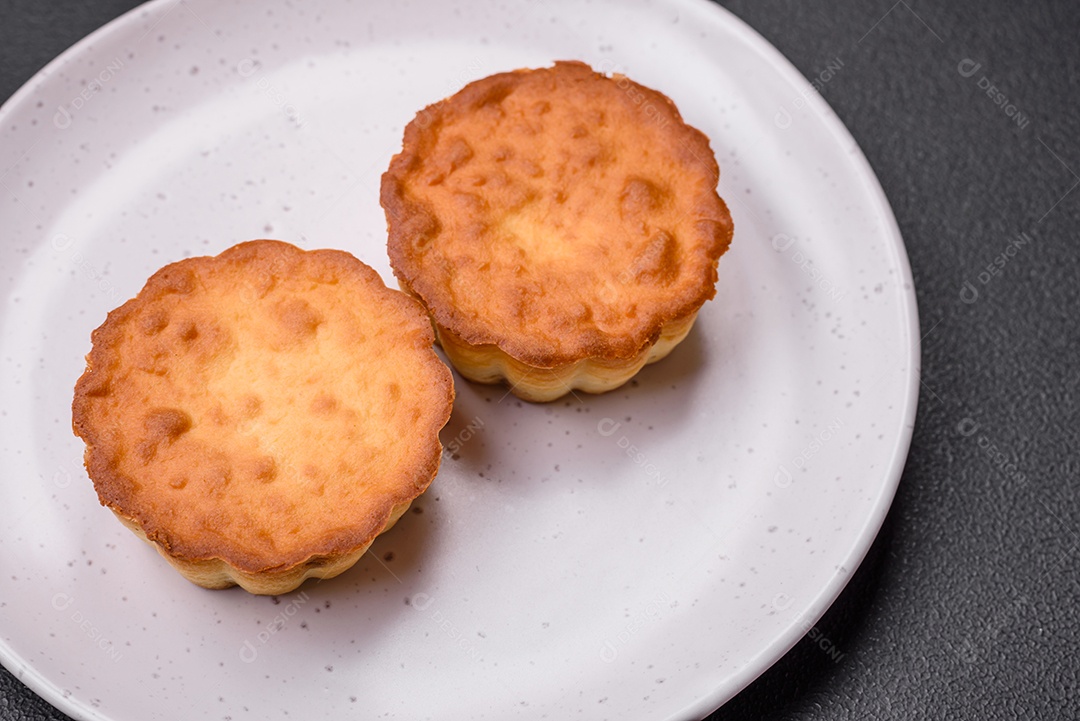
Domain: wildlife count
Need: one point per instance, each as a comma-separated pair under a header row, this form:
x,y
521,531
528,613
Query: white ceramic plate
x,y
639,555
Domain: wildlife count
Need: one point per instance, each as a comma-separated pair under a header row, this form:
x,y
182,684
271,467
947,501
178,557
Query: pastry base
x,y
215,573
489,364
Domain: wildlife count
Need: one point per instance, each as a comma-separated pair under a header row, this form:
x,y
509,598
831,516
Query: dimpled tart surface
x,y
261,415
557,215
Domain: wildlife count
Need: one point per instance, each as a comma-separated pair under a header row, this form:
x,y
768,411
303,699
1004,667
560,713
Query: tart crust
x,y
561,227
262,415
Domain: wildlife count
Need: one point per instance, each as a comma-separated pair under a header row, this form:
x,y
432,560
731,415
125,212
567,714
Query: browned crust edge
x,y
111,486
405,218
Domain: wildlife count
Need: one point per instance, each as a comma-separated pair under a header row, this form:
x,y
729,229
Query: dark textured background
x,y
967,605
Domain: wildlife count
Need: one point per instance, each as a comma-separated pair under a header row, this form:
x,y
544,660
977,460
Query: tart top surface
x,y
557,213
264,406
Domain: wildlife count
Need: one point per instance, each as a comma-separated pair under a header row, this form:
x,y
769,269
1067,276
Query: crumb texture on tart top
x,y
556,213
269,407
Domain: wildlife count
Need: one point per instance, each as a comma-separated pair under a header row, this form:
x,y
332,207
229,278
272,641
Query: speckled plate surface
x,y
639,555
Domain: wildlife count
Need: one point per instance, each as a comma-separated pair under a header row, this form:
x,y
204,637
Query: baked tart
x,y
260,416
561,227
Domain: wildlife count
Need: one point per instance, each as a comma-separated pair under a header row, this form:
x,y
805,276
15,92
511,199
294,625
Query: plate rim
x,y
908,306
750,670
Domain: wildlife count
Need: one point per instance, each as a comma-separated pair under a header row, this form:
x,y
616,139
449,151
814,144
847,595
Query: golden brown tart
x,y
561,227
262,415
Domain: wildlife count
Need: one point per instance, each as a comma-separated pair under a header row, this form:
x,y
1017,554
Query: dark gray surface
x,y
967,605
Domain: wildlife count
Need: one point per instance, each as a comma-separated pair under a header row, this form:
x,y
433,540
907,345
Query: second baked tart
x,y
262,415
561,227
